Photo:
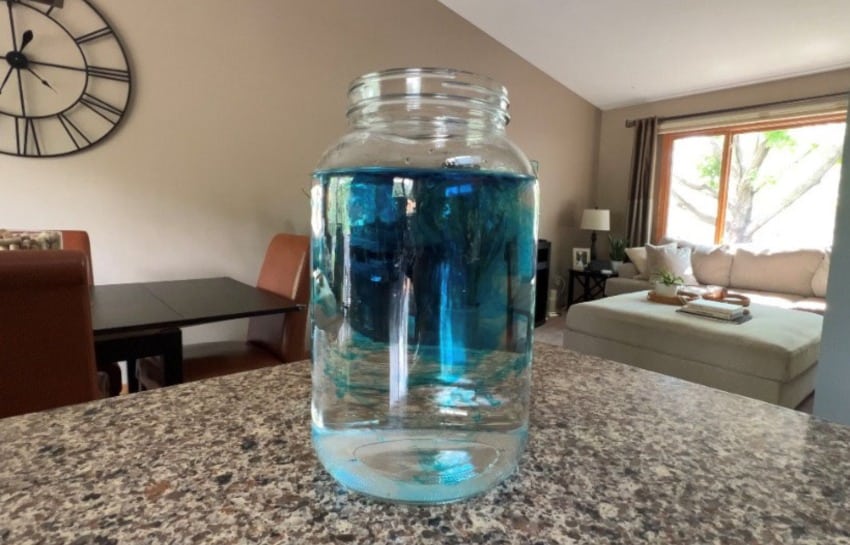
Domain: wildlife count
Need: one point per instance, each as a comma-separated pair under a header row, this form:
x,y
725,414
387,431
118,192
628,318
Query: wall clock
x,y
64,81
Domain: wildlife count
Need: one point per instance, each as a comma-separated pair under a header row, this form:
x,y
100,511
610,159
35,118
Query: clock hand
x,y
54,65
41,79
25,40
5,79
21,94
12,25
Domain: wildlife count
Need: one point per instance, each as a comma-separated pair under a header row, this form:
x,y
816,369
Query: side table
x,y
592,284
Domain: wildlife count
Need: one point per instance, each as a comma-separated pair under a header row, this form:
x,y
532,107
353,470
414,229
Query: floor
x,y
552,332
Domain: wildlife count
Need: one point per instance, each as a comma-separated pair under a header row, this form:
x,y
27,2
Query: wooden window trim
x,y
723,190
667,140
662,189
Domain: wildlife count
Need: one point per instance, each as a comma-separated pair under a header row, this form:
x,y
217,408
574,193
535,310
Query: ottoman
x,y
771,357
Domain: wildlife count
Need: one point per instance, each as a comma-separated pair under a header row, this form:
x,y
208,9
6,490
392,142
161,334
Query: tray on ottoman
x,y
771,357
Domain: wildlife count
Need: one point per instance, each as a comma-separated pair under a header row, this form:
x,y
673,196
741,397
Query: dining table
x,y
616,455
140,319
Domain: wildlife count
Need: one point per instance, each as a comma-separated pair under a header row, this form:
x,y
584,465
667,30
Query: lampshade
x,y
595,220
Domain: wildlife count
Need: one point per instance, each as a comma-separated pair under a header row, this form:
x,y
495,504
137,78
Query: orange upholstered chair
x,y
79,240
46,342
32,239
271,340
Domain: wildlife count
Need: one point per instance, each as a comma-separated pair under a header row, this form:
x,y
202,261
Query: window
x,y
771,183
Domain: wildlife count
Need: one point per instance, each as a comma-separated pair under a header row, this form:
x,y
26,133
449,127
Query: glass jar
x,y
424,220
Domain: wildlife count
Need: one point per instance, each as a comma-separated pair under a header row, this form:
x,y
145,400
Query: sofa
x,y
790,279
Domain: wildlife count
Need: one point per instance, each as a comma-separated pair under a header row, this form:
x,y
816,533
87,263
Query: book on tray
x,y
714,309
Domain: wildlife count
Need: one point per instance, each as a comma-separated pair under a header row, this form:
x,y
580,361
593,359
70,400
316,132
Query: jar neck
x,y
427,102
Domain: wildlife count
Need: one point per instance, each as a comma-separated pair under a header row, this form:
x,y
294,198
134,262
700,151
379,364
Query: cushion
x,y
637,255
776,344
777,271
821,276
30,240
712,265
618,285
811,304
770,298
627,270
672,259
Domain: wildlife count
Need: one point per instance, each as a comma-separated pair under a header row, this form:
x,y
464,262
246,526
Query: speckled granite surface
x,y
616,455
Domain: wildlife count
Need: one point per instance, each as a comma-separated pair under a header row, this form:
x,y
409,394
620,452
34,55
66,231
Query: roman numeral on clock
x,y
44,7
108,73
102,108
31,132
73,132
93,35
26,136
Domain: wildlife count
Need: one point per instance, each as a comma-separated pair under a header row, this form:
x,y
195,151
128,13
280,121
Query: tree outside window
x,y
774,185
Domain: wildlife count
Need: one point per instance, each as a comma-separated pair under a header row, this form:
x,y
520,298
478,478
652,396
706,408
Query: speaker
x,y
544,252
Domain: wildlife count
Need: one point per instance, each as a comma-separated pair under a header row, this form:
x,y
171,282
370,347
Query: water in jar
x,y
423,313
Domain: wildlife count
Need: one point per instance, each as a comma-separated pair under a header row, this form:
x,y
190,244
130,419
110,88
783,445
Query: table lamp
x,y
593,219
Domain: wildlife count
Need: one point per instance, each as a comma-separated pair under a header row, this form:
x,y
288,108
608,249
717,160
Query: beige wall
x,y
616,141
235,102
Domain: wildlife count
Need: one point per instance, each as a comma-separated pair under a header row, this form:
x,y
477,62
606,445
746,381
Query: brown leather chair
x,y
271,340
71,240
79,240
46,341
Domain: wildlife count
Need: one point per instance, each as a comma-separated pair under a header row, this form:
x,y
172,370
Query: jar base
x,y
419,466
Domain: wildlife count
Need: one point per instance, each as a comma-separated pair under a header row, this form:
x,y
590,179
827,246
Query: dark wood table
x,y
592,284
137,320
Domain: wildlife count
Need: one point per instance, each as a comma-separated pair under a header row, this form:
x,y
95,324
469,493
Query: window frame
x,y
665,162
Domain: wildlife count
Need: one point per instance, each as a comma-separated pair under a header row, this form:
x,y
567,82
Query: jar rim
x,y
404,72
425,84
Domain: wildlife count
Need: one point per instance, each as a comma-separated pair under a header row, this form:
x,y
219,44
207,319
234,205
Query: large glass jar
x,y
424,219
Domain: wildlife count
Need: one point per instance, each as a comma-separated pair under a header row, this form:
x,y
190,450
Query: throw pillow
x,y
821,276
30,240
672,259
637,255
781,271
712,265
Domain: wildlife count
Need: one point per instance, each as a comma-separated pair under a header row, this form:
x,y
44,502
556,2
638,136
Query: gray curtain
x,y
640,187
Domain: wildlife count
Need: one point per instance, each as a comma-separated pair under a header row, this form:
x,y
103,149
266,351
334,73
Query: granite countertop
x,y
616,455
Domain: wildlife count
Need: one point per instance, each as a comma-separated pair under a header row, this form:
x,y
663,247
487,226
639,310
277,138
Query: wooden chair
x,y
46,341
271,340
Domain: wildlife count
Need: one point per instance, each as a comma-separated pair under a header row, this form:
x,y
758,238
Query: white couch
x,y
791,279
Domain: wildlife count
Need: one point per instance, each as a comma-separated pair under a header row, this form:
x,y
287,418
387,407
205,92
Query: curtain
x,y
640,187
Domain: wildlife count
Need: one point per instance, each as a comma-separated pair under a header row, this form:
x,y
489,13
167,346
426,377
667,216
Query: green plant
x,y
617,248
667,278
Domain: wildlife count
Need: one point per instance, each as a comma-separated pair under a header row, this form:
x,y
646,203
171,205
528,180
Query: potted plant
x,y
666,283
616,251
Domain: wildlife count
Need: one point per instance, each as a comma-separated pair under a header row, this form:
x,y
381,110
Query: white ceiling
x,y
618,53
